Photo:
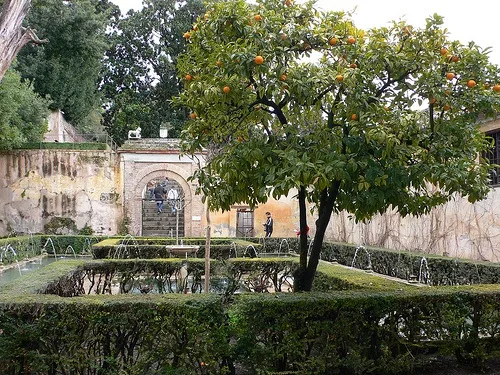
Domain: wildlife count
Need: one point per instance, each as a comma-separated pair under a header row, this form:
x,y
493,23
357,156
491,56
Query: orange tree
x,y
287,99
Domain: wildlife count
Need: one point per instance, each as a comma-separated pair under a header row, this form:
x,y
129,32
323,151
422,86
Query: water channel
x,y
17,270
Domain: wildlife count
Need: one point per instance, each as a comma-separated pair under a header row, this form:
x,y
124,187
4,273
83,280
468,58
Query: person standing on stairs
x,y
159,194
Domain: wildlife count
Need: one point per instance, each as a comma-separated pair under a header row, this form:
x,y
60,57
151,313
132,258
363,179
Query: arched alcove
x,y
135,183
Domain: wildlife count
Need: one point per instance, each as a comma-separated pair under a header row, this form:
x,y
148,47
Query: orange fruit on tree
x,y
455,58
283,36
353,66
432,100
446,107
496,88
351,40
471,83
188,77
354,117
450,75
193,115
283,77
219,63
258,60
226,89
257,17
333,41
339,77
186,35
195,28
443,51
288,3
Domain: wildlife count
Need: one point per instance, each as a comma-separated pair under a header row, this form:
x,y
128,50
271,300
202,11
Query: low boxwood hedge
x,y
353,322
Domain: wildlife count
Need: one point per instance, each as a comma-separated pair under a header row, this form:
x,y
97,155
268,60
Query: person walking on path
x,y
159,194
268,225
165,183
173,196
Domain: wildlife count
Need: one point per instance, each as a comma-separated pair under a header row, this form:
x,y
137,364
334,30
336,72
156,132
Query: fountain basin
x,y
182,250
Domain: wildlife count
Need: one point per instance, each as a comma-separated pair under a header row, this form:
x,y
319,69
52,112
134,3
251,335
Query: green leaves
x,y
66,69
374,111
22,112
140,75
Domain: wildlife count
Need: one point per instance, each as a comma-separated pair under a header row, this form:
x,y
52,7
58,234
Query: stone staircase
x,y
160,224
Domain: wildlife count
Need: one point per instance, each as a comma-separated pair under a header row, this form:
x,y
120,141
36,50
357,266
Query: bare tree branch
x,y
13,36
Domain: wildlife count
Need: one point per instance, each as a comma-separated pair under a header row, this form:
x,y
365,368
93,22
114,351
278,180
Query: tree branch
x,y
13,36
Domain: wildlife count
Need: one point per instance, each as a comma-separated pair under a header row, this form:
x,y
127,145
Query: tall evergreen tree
x,y
141,77
67,68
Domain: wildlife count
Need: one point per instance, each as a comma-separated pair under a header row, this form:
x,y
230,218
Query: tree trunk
x,y
207,250
305,275
13,36
300,274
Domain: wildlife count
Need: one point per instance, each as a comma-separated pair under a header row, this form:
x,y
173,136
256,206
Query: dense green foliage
x,y
23,113
147,248
63,146
66,69
376,327
140,76
291,100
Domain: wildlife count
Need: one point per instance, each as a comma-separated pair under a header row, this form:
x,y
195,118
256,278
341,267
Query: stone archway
x,y
170,220
137,178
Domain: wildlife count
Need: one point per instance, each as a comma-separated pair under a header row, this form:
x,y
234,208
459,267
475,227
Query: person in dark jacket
x,y
159,194
268,225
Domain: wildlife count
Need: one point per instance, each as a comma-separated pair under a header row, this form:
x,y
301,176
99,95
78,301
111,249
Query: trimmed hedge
x,y
430,269
148,248
352,323
63,146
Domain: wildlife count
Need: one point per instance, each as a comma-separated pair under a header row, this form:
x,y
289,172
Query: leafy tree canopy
x,y
290,99
141,77
66,69
23,114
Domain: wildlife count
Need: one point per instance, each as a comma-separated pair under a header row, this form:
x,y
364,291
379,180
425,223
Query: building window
x,y
493,155
244,223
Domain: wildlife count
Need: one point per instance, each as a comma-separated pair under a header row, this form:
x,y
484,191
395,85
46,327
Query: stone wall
x,y
144,160
59,130
63,191
457,229
59,191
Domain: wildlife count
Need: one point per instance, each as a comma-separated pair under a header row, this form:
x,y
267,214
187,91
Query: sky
x,y
477,21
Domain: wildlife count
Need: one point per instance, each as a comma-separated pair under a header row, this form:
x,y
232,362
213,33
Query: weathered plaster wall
x,y
93,188
457,229
59,130
55,188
